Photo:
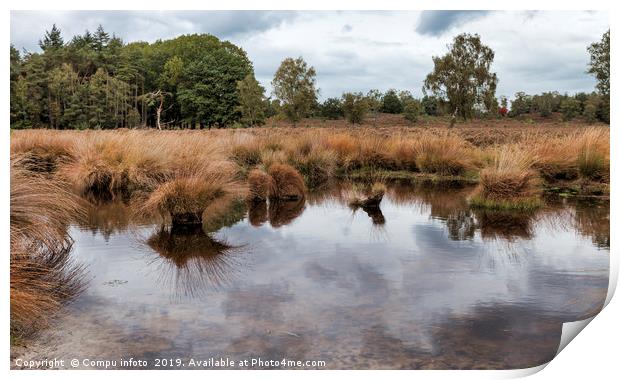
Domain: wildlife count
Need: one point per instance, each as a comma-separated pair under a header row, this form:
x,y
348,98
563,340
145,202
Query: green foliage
x,y
463,76
251,101
412,109
95,80
591,108
294,85
503,101
545,103
272,107
391,102
430,105
374,102
600,63
354,106
331,109
521,104
570,108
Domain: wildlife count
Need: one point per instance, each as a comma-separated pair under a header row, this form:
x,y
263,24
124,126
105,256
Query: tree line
x,y
195,81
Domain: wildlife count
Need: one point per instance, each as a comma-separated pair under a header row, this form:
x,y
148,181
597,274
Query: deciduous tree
x,y
463,76
294,85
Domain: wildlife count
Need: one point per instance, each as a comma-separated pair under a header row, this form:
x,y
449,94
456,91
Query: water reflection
x,y
447,286
504,225
592,219
191,261
281,213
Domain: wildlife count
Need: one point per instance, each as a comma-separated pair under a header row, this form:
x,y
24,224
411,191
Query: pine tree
x,y
52,39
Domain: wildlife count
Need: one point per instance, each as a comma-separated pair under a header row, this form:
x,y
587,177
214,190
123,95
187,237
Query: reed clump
x,y
366,198
510,183
443,154
111,164
184,197
259,184
593,154
42,276
316,164
286,183
247,153
42,151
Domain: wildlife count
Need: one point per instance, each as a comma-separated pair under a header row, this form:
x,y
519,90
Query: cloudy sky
x,y
360,50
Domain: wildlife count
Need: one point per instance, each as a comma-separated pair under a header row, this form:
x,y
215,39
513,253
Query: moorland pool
x,y
424,282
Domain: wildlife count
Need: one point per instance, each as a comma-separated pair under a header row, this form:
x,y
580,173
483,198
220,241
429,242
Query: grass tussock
x,y
316,164
368,196
593,154
42,151
42,276
187,195
259,184
107,164
443,154
510,183
286,183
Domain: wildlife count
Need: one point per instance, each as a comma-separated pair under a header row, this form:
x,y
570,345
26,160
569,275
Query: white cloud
x,y
356,51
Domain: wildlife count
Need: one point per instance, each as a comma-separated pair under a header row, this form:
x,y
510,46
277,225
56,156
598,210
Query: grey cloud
x,y
357,51
435,23
143,25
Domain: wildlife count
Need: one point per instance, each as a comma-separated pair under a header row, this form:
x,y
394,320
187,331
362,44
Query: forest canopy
x,y
97,81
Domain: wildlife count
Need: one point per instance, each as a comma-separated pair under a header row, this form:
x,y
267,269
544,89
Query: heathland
x,y
124,122
189,176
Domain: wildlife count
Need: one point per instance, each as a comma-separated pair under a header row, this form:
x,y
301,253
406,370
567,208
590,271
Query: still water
x,y
424,282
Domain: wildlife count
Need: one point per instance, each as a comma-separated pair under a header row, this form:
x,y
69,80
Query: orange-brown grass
x,y
315,163
259,184
582,154
286,184
42,150
111,163
367,196
443,154
185,197
42,275
246,152
593,154
555,157
402,152
510,183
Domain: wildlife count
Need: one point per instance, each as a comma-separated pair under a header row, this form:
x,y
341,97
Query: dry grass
x,y
42,275
187,195
367,197
42,150
259,183
510,182
184,175
443,154
593,154
286,183
165,163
